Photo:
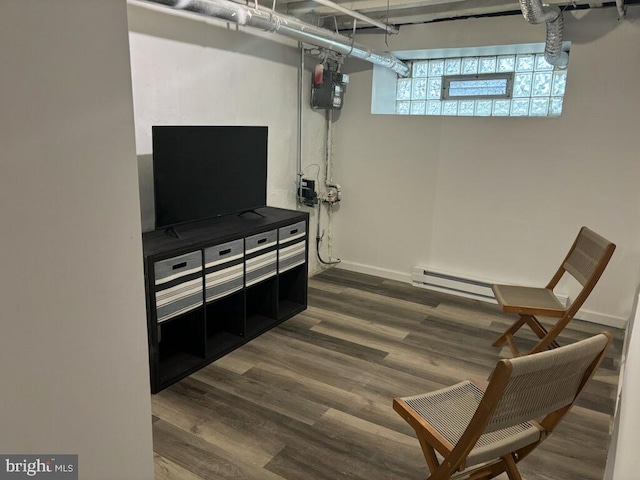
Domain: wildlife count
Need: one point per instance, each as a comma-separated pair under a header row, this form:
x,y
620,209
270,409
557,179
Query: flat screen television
x,y
200,172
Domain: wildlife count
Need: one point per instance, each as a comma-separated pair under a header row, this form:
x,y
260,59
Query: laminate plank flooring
x,y
311,398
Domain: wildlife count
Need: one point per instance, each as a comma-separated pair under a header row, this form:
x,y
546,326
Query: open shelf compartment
x,y
225,324
261,306
181,345
292,292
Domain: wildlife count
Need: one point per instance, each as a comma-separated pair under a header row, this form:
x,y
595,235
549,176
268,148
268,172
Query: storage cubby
x,y
214,285
181,345
225,324
261,305
292,291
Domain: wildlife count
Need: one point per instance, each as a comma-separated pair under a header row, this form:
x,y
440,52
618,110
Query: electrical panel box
x,y
308,194
328,89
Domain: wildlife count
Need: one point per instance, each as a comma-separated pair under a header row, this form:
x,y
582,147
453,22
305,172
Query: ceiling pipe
x,y
534,12
272,21
359,16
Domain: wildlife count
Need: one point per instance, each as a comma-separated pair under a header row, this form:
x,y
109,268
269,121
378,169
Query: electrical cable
x,y
319,239
386,30
329,236
300,116
317,165
353,38
328,176
335,262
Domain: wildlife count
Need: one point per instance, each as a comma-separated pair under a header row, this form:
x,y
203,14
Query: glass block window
x,y
515,85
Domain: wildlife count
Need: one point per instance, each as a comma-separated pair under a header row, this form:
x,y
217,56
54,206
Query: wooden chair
x,y
585,261
481,433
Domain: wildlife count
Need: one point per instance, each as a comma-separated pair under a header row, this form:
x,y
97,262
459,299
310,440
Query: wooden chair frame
x,y
453,466
547,304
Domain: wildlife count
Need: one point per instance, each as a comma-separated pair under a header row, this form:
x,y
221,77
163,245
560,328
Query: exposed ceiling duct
x,y
357,15
271,21
534,12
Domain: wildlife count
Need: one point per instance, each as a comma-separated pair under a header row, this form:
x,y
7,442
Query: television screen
x,y
201,172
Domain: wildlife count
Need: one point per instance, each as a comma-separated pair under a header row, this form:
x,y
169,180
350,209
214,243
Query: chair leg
x,y
513,345
489,472
486,474
509,332
549,339
429,455
539,329
511,468
535,325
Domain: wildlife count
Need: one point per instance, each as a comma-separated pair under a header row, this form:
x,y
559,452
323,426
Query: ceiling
x,y
404,12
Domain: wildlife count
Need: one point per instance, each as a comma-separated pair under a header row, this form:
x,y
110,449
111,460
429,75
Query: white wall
x,y
190,72
500,198
74,370
623,461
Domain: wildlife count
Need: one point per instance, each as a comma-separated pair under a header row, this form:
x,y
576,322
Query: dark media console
x,y
222,283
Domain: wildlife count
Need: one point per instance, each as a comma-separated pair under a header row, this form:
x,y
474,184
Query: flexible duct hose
x,y
534,12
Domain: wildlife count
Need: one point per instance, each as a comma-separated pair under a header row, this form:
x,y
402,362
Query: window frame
x,y
447,79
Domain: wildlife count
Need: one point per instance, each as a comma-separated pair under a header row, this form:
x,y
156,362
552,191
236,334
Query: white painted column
x,y
73,348
623,462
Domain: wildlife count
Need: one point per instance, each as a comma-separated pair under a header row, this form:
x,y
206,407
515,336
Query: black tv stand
x,y
220,284
253,210
172,232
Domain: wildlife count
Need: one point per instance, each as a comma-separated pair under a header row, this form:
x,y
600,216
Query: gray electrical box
x,y
327,90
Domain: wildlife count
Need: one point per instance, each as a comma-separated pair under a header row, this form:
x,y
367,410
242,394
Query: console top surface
x,y
218,230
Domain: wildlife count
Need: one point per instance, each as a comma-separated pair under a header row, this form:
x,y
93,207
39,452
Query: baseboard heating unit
x,y
457,285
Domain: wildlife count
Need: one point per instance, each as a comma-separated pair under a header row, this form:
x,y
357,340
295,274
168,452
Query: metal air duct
x,y
534,12
272,21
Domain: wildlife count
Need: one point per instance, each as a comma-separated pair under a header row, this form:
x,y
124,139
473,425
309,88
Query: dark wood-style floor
x,y
311,399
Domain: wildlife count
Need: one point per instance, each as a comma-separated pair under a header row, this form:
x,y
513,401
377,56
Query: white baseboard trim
x,y
458,293
601,319
376,271
586,315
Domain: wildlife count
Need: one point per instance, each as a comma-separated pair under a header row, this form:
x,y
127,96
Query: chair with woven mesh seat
x,y
586,260
481,433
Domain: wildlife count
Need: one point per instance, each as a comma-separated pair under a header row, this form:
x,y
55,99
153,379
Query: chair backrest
x,y
521,390
586,260
536,385
588,252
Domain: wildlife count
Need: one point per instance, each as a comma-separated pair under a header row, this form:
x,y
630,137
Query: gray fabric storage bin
x,y
292,248
261,267
178,282
261,241
291,233
224,269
